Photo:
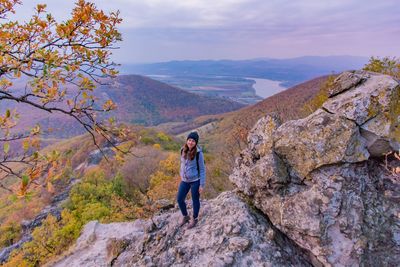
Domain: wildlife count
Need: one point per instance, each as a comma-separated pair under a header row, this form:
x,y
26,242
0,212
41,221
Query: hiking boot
x,y
184,220
192,223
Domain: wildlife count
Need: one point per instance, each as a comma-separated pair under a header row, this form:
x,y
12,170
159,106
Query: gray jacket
x,y
188,169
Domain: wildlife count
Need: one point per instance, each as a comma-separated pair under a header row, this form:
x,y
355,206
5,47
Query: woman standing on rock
x,y
193,178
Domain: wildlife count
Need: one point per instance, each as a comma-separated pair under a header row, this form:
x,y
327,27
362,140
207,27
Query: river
x,y
266,88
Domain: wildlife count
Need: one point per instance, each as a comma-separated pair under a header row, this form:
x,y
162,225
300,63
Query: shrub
x,y
94,198
316,102
157,146
9,233
163,137
147,140
385,65
164,182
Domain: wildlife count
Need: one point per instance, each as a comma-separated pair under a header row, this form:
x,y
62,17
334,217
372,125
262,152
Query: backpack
x,y
197,161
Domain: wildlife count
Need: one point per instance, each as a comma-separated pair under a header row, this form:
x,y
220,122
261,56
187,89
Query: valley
x,y
237,89
243,81
244,90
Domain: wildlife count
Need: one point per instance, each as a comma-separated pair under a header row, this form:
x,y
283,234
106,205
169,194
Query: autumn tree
x,y
61,63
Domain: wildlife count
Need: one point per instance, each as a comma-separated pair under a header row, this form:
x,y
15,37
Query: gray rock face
x,y
346,81
99,244
339,213
336,201
320,139
253,173
229,233
365,101
374,105
96,156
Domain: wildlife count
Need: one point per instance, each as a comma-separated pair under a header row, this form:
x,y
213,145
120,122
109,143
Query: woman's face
x,y
191,143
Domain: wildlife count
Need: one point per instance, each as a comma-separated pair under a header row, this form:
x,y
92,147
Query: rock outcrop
x,y
229,233
94,158
374,105
320,180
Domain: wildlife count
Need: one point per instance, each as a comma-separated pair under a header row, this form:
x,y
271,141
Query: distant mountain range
x,y
292,71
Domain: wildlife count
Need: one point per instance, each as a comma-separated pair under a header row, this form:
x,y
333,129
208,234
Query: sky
x,y
163,30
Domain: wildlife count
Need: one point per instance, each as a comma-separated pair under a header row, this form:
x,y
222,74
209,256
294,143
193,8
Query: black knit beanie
x,y
194,136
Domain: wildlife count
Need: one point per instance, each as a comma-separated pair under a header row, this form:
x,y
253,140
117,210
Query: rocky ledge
x,y
323,181
229,232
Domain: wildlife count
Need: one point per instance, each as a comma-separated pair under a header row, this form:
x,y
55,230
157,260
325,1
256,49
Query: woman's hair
x,y
189,154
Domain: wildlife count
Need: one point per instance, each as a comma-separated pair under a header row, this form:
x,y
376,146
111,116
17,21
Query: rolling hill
x,y
140,100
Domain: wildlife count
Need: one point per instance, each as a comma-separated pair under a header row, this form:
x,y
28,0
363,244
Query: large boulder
x,y
373,104
270,172
229,233
336,198
345,215
320,139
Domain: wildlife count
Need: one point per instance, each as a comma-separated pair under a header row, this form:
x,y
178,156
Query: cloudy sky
x,y
161,30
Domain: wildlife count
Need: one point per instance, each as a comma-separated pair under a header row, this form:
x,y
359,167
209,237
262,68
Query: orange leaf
x,y
50,187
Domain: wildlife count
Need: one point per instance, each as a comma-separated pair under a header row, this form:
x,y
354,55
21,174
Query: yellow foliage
x,y
163,137
9,233
170,165
94,198
162,186
164,182
17,259
157,146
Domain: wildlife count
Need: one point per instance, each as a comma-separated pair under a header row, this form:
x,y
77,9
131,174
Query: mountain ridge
x,y
290,71
141,100
158,102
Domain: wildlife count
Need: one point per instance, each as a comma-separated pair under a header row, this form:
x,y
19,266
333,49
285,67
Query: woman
x,y
193,178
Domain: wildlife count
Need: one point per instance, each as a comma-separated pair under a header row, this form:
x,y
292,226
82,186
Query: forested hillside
x,y
142,100
138,99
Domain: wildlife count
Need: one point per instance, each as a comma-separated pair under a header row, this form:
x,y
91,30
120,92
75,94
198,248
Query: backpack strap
x,y
197,162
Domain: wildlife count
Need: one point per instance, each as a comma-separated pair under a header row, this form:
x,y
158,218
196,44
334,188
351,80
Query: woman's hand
x,y
201,190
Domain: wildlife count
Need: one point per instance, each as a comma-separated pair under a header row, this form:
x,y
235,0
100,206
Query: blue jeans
x,y
183,190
